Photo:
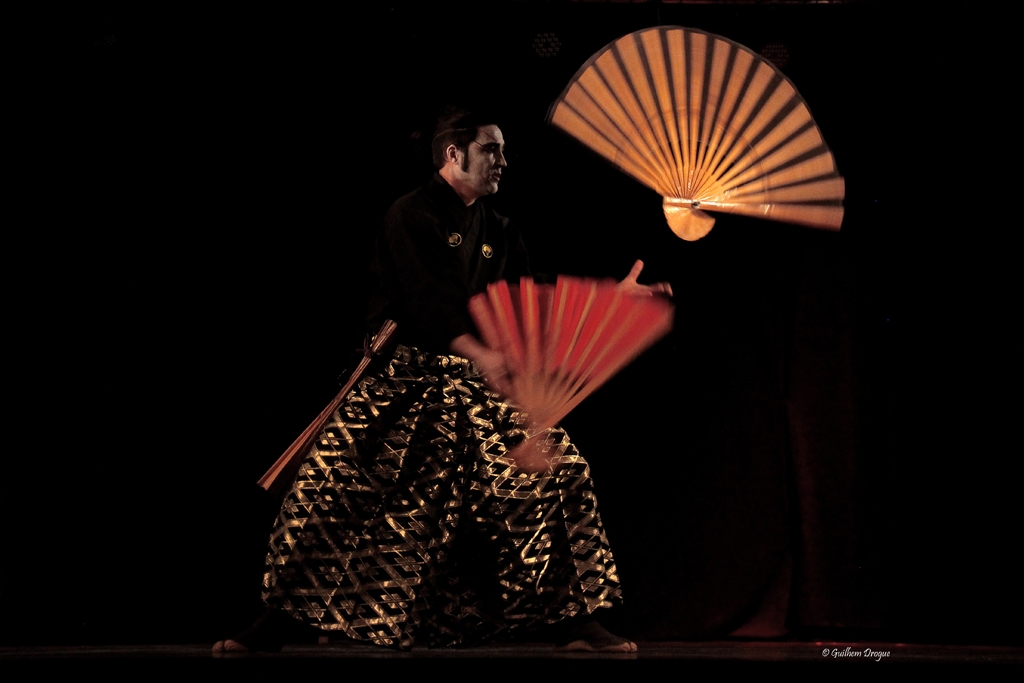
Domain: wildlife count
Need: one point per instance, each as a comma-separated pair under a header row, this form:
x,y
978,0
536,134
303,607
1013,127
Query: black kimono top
x,y
432,255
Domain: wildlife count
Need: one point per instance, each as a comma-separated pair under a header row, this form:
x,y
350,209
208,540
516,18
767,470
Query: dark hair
x,y
456,127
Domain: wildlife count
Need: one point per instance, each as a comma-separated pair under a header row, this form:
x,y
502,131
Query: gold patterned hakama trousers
x,y
407,520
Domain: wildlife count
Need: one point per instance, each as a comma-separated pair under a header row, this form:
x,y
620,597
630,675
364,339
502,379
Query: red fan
x,y
563,341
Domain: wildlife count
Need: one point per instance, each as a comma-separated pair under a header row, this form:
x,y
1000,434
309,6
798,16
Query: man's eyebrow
x,y
490,145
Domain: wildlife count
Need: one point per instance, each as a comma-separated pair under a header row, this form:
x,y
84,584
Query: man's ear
x,y
451,153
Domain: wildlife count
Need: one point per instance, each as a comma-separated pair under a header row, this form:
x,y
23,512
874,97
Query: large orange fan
x,y
706,123
563,341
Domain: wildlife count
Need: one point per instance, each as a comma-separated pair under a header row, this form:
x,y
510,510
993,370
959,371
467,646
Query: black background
x,y
198,189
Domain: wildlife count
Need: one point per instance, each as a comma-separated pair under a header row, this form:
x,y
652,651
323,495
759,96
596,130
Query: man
x,y
439,246
408,521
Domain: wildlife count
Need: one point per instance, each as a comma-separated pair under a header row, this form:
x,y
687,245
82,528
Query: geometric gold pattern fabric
x,y
407,520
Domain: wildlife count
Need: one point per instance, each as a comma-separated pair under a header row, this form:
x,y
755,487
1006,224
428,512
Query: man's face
x,y
481,166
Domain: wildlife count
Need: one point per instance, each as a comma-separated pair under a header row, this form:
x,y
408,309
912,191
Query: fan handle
x,y
685,219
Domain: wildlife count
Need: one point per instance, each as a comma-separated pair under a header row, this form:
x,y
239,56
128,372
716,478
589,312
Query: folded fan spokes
x,y
708,124
563,341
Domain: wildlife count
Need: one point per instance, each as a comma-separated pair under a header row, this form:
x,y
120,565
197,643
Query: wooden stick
x,y
281,474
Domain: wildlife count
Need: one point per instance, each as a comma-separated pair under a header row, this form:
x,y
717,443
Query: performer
x,y
408,522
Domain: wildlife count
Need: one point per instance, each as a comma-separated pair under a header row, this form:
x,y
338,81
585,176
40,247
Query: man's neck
x,y
466,194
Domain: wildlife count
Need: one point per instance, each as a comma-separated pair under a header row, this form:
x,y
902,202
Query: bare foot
x,y
267,634
222,646
590,636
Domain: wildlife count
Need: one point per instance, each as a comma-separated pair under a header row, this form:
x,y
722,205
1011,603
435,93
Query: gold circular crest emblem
x,y
454,239
488,252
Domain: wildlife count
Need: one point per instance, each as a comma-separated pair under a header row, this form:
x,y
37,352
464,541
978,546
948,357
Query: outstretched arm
x,y
630,286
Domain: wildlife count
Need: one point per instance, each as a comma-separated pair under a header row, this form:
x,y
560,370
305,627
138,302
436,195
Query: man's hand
x,y
492,364
631,287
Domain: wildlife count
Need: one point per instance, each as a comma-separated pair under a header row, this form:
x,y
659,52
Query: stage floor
x,y
818,656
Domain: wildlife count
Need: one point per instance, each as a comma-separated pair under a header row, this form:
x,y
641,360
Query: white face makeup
x,y
486,159
478,172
